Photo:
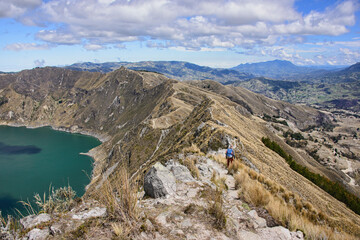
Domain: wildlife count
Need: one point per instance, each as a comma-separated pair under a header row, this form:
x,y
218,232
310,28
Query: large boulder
x,y
159,182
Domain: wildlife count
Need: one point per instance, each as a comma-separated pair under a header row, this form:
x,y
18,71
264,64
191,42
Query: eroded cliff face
x,y
144,117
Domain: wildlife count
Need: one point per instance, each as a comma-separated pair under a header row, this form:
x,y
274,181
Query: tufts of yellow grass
x,y
120,197
189,162
283,205
215,209
193,149
234,167
219,182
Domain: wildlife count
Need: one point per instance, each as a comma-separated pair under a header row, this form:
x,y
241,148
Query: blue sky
x,y
214,33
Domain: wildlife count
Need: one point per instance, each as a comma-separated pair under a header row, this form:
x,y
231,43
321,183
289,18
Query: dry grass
x,y
219,182
11,224
120,197
254,193
121,230
189,162
285,206
193,149
240,178
215,209
220,159
290,218
234,167
253,174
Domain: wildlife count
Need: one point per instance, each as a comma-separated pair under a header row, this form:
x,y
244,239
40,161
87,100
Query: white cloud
x,y
26,46
349,56
58,36
39,62
94,47
332,21
187,23
259,27
16,8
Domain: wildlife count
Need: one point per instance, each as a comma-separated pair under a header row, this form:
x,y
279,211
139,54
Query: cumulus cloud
x,y
16,8
26,46
187,23
256,26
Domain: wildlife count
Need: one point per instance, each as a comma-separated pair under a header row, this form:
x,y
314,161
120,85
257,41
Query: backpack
x,y
229,153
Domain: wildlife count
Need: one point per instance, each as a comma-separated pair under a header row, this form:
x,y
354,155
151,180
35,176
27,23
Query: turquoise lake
x,y
33,159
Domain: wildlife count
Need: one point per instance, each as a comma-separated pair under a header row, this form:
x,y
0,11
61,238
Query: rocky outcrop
x,y
182,214
33,220
37,234
159,182
90,213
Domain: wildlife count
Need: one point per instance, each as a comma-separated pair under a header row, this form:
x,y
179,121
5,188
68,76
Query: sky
x,y
215,33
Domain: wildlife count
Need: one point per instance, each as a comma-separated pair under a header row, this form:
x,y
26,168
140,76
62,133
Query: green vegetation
x,y
3,100
274,119
333,188
296,136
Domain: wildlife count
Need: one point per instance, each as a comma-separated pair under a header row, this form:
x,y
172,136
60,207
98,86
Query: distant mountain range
x,y
284,70
277,69
276,79
172,69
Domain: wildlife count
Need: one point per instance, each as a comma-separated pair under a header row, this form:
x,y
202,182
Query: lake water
x,y
33,159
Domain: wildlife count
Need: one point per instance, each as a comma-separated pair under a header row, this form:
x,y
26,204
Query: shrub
x,y
215,209
58,200
120,197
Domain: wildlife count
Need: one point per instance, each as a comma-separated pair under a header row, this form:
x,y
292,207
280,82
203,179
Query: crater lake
x,y
32,160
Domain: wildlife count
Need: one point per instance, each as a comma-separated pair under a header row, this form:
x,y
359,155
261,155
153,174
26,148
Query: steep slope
x,y
144,117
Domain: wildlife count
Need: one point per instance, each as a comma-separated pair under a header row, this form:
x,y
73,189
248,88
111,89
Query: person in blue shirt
x,y
230,155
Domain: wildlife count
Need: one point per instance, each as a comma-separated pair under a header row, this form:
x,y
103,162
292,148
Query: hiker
x,y
230,155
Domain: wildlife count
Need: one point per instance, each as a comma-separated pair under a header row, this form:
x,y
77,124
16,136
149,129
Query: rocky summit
x,y
160,172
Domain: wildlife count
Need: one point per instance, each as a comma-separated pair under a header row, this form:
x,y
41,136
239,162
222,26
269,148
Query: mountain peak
x,y
278,69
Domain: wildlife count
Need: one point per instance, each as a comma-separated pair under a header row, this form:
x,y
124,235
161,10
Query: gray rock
x,y
38,234
182,173
5,235
204,170
55,229
192,192
260,222
159,182
33,220
186,223
297,235
235,213
279,233
247,235
162,219
94,212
